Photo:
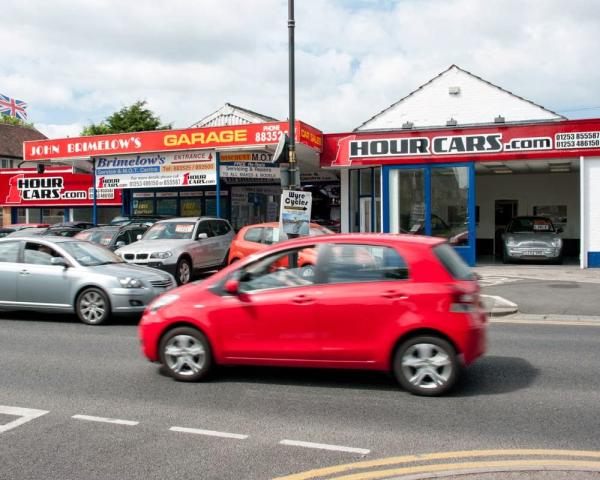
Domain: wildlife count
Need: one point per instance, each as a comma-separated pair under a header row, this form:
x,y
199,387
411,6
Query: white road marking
x,y
105,420
324,446
210,433
25,415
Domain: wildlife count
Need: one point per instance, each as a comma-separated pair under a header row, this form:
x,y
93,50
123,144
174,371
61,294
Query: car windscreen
x,y
90,254
531,225
102,237
453,263
170,231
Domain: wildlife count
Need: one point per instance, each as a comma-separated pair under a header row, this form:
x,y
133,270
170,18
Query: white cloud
x,y
77,62
60,131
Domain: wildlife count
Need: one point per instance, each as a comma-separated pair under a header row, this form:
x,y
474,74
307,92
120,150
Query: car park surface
x,y
67,275
395,303
182,246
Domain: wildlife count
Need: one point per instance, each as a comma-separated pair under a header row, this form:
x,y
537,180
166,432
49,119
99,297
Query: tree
x,y
8,120
135,118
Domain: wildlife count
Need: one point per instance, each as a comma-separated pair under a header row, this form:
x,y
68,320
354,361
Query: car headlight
x,y
162,301
129,282
556,242
511,242
161,255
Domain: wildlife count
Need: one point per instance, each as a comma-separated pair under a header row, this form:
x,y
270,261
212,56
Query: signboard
x,y
168,169
169,140
253,165
294,212
571,138
27,188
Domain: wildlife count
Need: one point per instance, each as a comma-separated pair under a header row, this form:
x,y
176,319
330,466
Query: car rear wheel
x,y
307,272
92,306
426,365
186,354
183,273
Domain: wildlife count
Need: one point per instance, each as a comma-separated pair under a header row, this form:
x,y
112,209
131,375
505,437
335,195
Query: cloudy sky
x,y
75,62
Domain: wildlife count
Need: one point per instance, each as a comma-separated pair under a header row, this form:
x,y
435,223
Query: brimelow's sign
x,y
169,140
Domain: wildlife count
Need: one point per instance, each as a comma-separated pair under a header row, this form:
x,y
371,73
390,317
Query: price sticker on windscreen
x,y
184,228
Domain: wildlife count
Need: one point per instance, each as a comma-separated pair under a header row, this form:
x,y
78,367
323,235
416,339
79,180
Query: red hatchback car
x,y
399,303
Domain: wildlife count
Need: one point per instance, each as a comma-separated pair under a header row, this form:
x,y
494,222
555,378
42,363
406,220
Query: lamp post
x,y
292,93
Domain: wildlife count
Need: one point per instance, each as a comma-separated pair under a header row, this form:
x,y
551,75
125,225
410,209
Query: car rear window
x,y
253,235
453,262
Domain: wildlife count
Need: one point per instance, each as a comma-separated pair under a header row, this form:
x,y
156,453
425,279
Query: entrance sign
x,y
167,169
294,213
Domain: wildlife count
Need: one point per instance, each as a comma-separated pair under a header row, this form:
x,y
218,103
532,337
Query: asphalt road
x,y
550,297
538,388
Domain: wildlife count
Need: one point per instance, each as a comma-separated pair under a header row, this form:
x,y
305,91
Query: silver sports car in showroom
x,y
60,274
532,238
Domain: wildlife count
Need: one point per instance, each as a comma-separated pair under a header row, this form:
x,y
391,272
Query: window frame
x,y
19,244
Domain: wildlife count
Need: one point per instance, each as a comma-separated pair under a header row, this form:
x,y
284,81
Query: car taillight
x,y
464,302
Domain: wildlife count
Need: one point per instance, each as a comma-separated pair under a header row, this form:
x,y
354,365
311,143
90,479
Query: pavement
x,y
541,292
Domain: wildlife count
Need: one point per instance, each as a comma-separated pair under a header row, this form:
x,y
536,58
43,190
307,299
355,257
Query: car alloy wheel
x,y
184,271
307,272
426,365
93,307
186,354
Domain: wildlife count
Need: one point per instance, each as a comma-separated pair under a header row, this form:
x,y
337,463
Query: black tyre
x,y
183,272
92,306
186,354
426,365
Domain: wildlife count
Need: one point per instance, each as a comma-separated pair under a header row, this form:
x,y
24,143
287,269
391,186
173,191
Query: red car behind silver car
x,y
397,303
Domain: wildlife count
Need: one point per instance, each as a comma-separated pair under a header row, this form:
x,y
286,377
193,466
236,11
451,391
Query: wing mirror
x,y
232,286
202,236
120,244
139,237
559,230
58,261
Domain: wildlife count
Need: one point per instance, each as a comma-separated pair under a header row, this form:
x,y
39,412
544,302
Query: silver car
x,y
182,246
67,275
532,238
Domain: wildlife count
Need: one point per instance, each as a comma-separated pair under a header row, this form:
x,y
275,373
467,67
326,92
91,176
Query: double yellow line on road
x,y
564,462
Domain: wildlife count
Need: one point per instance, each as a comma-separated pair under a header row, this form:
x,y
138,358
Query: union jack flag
x,y
13,107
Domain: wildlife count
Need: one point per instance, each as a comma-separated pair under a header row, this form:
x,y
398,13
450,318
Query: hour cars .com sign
x,y
27,188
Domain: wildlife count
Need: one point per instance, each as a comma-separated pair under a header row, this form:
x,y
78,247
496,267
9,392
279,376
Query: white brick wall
x,y
477,102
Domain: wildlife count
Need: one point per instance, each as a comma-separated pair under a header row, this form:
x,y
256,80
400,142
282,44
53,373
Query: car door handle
x,y
24,272
394,294
302,299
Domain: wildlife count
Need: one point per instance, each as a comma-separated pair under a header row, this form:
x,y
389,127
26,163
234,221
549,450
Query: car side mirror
x,y
120,244
202,236
139,237
232,286
559,230
58,261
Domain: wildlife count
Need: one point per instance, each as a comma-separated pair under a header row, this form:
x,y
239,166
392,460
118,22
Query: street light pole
x,y
292,93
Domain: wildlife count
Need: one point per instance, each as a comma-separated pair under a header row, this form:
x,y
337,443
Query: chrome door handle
x,y
25,272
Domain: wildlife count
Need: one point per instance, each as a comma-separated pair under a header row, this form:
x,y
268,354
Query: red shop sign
x,y
516,142
56,187
169,140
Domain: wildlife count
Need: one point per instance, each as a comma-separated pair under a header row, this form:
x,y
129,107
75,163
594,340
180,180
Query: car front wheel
x,y
186,354
183,273
92,306
426,365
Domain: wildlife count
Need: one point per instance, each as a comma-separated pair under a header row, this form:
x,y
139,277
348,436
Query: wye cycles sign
x,y
165,169
294,212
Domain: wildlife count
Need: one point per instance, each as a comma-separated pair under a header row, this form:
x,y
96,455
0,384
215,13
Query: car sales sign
x,y
165,169
56,187
294,212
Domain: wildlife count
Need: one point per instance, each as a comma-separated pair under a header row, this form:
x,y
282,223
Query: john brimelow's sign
x,y
165,169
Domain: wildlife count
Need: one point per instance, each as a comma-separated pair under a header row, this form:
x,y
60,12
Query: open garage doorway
x,y
533,188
